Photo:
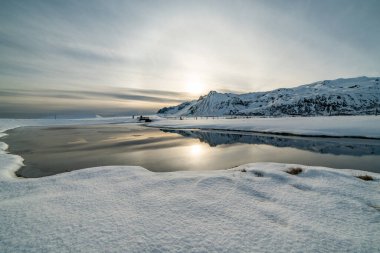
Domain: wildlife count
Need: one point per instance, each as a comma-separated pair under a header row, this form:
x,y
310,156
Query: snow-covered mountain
x,y
352,96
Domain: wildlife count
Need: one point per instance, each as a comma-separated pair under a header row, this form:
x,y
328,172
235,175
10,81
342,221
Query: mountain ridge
x,y
343,96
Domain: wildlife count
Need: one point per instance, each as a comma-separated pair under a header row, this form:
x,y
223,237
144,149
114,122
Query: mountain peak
x,y
212,92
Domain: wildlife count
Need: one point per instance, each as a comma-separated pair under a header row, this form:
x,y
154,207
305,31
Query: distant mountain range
x,y
351,96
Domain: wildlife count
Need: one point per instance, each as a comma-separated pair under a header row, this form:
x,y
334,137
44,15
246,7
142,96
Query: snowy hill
x,y
352,96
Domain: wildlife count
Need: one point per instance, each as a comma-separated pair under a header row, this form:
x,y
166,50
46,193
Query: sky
x,y
134,57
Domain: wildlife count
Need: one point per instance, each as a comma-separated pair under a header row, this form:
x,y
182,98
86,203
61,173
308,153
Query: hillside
x,y
352,96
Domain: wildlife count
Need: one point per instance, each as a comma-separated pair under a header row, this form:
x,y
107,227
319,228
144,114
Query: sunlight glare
x,y
196,150
195,86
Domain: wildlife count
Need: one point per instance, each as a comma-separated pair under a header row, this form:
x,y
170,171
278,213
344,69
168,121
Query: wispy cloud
x,y
32,103
91,55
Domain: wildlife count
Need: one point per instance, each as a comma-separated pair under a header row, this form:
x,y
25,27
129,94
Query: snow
x,y
351,96
251,208
129,209
348,126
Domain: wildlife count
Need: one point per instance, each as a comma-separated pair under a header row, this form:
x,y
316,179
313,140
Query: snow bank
x,y
129,209
251,208
350,126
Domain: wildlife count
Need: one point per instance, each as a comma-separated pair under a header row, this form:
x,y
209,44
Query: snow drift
x,y
252,208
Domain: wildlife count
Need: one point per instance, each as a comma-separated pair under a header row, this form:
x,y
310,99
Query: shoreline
x,y
266,132
330,126
85,122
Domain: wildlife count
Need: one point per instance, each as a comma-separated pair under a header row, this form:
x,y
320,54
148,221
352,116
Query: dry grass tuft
x,y
365,177
294,171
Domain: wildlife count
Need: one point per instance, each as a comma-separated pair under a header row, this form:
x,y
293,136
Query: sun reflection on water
x,y
196,150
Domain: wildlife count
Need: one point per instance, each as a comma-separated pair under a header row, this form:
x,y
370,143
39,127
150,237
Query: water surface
x,y
53,150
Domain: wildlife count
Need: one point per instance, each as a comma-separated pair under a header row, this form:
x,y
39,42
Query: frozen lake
x,y
52,150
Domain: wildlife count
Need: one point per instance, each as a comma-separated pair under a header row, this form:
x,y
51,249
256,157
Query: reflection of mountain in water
x,y
336,146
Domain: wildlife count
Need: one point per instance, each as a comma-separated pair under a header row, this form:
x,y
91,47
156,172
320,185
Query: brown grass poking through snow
x,y
294,171
365,177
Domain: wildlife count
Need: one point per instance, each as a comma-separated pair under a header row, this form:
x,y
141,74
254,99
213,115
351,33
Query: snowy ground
x,y
353,126
252,208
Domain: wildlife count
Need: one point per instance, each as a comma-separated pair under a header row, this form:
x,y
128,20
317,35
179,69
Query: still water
x,y
52,150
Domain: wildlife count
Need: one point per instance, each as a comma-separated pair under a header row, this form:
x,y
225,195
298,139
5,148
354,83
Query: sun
x,y
195,86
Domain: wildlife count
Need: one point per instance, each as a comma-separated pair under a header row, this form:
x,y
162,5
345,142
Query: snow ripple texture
x,y
252,208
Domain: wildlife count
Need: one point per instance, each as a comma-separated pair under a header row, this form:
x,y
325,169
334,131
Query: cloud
x,y
92,56
117,101
89,47
111,93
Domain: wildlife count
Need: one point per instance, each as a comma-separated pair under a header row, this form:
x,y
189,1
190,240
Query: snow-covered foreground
x,y
252,208
352,126
129,209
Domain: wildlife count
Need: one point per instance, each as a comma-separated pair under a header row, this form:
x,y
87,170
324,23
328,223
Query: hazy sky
x,y
75,54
